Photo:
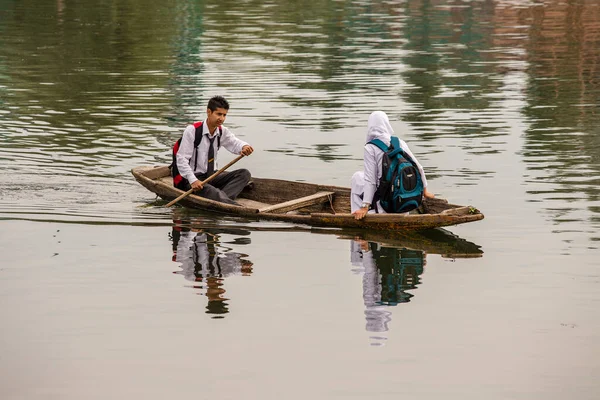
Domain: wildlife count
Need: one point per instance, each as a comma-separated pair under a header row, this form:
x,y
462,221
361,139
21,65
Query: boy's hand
x,y
246,150
197,185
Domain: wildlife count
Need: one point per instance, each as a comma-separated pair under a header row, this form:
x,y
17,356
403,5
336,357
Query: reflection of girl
x,y
388,274
364,183
400,271
376,315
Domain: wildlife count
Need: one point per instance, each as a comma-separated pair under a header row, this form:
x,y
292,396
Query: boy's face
x,y
216,118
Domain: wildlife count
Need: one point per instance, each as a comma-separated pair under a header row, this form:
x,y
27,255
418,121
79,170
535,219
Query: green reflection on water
x,y
103,86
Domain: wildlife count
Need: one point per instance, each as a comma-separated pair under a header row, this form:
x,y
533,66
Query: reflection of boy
x,y
201,262
197,252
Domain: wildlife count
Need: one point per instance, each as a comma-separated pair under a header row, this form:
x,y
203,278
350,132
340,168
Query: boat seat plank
x,y
251,203
317,198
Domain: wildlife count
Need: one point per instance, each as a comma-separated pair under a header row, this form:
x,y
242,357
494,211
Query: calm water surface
x,y
105,293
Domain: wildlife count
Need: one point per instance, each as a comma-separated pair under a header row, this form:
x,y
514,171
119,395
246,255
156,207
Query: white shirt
x,y
186,150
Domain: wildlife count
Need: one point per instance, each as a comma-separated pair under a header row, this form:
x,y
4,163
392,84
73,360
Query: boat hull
x,y
319,205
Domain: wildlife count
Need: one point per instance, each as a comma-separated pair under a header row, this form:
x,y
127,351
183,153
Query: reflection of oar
x,y
210,178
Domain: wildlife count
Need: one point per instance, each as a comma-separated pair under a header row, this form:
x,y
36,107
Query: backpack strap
x,y
395,144
392,150
198,138
398,149
380,144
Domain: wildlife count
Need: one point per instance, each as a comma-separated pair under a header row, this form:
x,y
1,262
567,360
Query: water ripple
x,y
477,90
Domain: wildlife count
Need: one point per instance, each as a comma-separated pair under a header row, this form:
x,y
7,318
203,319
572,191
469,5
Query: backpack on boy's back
x,y
400,186
179,181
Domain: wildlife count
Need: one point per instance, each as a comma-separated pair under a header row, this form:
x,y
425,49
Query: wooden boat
x,y
307,203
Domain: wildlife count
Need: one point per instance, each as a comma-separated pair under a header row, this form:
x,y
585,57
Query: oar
x,y
210,178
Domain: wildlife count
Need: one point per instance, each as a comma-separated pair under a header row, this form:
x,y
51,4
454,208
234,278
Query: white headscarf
x,y
379,127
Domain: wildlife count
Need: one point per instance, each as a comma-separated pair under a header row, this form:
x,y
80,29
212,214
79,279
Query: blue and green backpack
x,y
400,187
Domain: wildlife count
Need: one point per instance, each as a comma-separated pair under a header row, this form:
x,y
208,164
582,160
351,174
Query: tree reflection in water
x,y
206,261
388,275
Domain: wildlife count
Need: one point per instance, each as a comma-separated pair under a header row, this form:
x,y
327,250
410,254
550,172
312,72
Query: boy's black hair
x,y
218,102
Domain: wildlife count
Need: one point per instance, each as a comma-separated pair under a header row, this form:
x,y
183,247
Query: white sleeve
x,y
371,173
231,142
409,153
185,153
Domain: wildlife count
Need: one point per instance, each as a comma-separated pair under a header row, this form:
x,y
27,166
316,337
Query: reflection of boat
x,y
432,241
307,203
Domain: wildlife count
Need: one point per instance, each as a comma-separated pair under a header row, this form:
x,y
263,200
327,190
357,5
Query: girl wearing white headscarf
x,y
364,183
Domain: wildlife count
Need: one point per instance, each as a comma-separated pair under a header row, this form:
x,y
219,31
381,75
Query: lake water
x,y
105,293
